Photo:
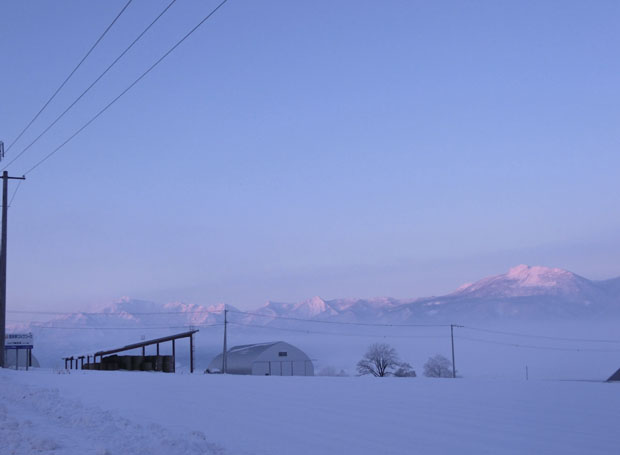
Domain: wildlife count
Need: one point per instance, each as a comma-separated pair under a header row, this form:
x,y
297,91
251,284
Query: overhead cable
x,y
528,346
545,337
109,313
189,326
25,149
69,76
318,321
98,114
315,332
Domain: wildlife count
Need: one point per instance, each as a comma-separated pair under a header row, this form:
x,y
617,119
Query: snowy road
x,y
178,414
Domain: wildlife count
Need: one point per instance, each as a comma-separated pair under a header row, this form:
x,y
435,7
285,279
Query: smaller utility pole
x,y
224,359
5,203
452,326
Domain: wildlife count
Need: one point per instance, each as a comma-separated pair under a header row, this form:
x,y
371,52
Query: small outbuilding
x,y
276,358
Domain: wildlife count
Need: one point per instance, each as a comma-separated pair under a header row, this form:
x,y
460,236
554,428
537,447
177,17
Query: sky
x,y
293,149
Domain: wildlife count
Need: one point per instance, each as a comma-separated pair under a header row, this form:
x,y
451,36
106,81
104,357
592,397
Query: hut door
x,y
275,368
287,368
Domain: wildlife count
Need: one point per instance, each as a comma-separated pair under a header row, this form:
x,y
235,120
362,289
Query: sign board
x,y
18,340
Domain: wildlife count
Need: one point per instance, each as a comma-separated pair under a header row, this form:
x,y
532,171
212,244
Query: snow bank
x,y
177,414
41,420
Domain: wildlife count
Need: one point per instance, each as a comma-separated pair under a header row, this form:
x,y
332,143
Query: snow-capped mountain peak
x,y
312,307
524,280
538,276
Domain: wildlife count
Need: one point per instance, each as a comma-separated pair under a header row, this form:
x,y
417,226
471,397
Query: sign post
x,y
17,342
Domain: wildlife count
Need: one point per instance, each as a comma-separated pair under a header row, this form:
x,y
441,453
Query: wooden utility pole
x,y
5,203
224,351
452,326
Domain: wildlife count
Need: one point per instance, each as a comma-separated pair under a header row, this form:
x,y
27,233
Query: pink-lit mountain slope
x,y
522,293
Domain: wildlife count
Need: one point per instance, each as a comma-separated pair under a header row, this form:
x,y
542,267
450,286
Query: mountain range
x,y
523,293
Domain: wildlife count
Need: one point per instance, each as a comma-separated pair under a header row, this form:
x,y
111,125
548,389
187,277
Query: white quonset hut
x,y
265,359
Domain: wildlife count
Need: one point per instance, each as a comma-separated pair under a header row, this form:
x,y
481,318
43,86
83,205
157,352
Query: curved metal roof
x,y
239,359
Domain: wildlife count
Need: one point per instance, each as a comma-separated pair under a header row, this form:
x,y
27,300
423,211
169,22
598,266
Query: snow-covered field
x,y
113,413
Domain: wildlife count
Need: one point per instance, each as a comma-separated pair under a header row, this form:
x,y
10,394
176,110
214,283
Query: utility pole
x,y
224,359
5,188
452,326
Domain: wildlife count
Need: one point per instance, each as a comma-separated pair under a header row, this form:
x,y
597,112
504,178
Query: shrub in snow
x,y
438,367
405,371
331,371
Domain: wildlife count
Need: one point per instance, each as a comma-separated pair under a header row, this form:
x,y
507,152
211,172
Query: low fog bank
x,y
565,350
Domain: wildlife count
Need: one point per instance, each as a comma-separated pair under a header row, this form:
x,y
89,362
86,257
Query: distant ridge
x,y
522,293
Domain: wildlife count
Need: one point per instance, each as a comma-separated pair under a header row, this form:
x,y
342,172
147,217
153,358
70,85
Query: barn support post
x,y
191,353
157,349
29,357
143,351
88,359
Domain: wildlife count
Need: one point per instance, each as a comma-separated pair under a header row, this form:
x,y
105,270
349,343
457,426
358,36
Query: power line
x,y
70,75
119,313
370,324
528,346
128,328
545,337
363,324
315,332
89,87
15,192
46,157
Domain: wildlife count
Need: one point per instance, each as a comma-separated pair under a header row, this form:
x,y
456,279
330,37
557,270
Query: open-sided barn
x,y
265,359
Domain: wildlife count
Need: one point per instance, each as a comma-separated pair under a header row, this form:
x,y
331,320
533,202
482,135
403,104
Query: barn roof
x,y
255,349
239,359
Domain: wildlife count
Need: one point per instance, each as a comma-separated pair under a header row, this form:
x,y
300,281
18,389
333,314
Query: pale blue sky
x,y
291,149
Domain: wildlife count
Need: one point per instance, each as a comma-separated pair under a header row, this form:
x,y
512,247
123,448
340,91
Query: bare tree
x,y
438,367
379,359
